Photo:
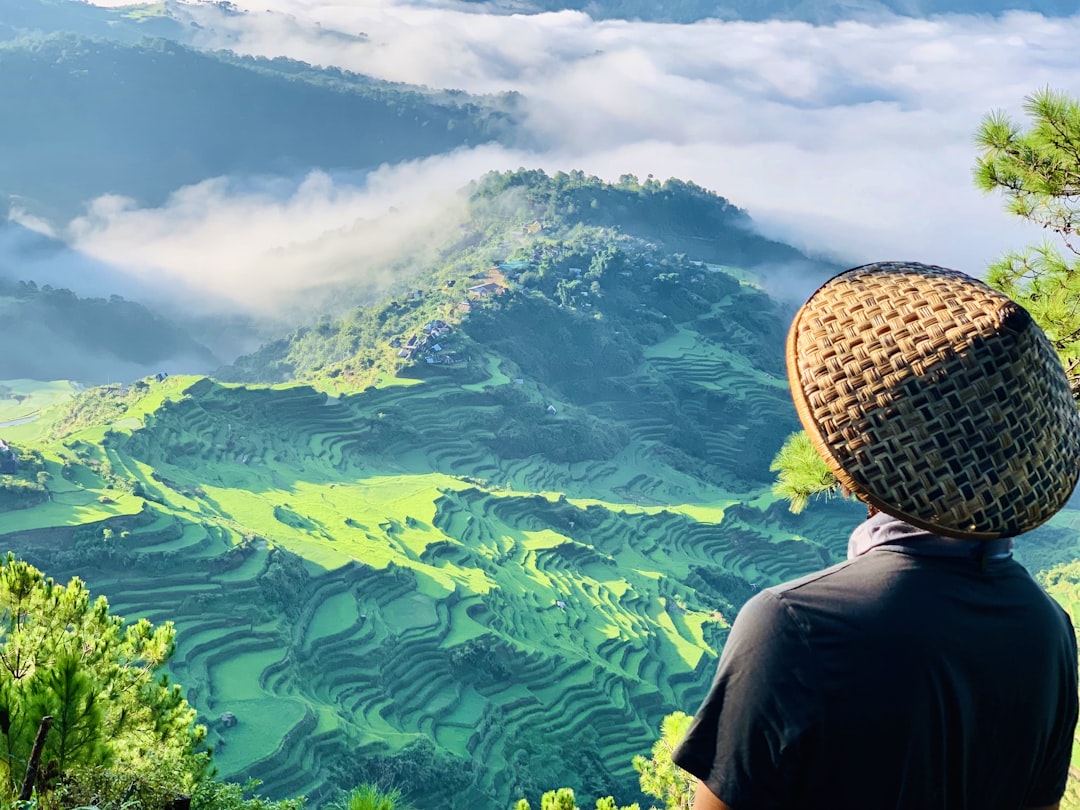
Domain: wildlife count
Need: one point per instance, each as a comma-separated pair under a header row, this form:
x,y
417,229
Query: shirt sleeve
x,y
746,740
1049,783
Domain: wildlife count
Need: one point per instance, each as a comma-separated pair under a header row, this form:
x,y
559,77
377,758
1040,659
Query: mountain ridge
x,y
154,116
580,502
552,237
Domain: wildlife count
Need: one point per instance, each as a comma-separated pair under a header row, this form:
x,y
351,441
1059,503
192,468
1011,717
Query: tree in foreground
x,y
659,776
213,795
1038,171
801,472
563,799
65,657
372,797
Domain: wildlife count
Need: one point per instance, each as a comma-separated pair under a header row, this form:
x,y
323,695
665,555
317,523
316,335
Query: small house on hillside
x,y
484,290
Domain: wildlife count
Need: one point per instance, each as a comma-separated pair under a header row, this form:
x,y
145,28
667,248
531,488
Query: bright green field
x,y
416,542
351,575
27,412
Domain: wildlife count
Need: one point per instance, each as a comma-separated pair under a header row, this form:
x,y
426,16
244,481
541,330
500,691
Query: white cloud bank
x,y
852,140
259,250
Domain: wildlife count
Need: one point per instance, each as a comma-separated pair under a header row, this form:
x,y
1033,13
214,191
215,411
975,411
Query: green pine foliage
x,y
564,799
62,655
121,735
69,695
211,794
801,473
372,797
1037,170
660,776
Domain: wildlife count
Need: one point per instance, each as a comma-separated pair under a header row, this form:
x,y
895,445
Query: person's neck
x,y
882,531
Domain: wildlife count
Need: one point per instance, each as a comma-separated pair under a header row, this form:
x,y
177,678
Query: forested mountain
x,y
576,235
20,17
86,116
497,532
52,334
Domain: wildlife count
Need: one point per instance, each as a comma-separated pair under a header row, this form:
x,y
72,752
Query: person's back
x,y
928,671
942,680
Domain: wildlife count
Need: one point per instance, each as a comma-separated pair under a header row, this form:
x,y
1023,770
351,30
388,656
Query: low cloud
x,y
853,141
272,246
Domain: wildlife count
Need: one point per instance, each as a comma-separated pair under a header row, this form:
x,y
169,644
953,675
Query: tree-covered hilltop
x,y
86,116
52,334
598,269
679,216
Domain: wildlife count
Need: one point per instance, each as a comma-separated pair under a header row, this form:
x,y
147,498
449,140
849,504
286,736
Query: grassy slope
x,y
416,541
408,558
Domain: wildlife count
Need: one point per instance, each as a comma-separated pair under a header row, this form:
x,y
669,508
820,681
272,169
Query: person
x,y
928,670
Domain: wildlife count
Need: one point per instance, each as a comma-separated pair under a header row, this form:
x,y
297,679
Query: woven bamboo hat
x,y
935,399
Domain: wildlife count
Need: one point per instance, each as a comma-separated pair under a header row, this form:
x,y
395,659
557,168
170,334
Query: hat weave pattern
x,y
935,399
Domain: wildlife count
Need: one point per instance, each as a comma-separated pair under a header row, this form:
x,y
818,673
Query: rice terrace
x,y
491,575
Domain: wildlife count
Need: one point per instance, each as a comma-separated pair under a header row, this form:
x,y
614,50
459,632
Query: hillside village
x,y
548,264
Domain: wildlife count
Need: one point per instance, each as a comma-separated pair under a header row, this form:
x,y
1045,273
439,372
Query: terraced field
x,y
350,574
365,588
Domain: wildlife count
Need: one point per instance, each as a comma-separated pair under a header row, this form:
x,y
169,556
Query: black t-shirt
x,y
892,681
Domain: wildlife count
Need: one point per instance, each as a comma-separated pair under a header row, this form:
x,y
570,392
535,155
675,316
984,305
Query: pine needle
x,y
802,473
